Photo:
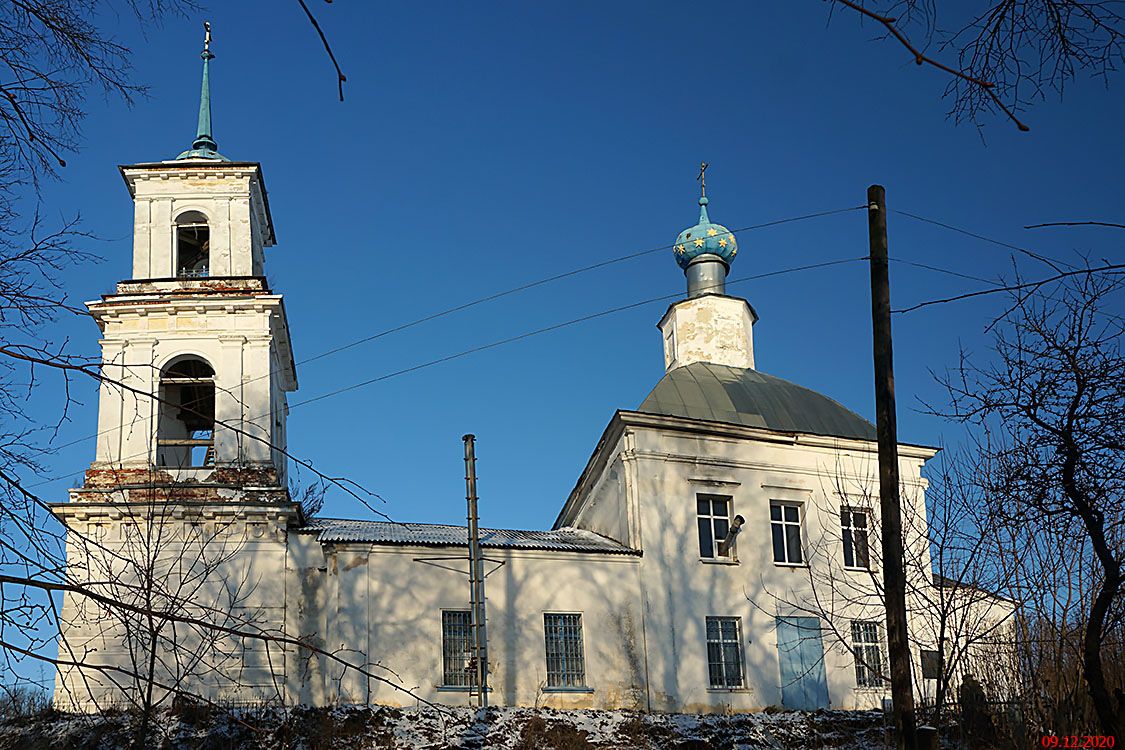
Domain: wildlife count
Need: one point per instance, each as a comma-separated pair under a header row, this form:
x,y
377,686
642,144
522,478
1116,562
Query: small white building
x,y
196,571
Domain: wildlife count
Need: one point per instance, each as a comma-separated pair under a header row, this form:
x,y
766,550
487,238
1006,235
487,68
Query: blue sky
x,y
482,146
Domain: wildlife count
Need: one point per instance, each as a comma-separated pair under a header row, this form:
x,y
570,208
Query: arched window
x,y
185,435
193,245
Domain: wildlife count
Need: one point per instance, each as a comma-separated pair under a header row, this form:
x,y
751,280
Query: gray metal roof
x,y
439,535
731,394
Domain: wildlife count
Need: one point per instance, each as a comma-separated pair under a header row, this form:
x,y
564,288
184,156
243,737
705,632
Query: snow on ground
x,y
362,727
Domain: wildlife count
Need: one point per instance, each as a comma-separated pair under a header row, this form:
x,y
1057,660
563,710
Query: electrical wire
x,y
557,326
1041,258
558,277
496,296
510,340
942,270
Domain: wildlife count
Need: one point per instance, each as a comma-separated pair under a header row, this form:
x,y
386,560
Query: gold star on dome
x,y
733,252
711,232
680,249
699,243
723,242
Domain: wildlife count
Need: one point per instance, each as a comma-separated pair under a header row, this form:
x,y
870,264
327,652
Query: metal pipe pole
x,y
890,509
476,576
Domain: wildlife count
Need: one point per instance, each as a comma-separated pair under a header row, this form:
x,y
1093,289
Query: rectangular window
x,y
853,524
724,652
713,518
457,668
566,661
931,664
867,648
785,525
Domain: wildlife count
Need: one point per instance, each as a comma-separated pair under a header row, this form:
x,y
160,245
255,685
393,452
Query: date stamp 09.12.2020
x,y
1077,741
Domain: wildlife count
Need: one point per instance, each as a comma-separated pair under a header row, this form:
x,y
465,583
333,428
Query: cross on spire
x,y
702,178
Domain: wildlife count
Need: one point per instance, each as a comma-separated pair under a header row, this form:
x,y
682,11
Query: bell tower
x,y
195,346
186,502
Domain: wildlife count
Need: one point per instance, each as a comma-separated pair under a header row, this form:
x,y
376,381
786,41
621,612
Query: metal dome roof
x,y
705,238
718,393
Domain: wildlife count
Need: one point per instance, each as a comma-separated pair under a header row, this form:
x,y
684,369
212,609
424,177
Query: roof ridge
x,y
454,526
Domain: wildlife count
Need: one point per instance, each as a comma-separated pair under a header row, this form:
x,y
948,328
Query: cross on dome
x,y
706,237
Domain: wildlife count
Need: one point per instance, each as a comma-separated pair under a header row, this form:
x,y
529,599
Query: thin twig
x,y
340,77
1100,269
920,58
1076,224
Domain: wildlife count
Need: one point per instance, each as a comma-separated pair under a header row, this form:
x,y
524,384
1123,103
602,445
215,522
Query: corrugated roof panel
x,y
441,535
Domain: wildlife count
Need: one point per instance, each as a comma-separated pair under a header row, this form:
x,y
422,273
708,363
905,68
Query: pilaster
x,y
230,402
135,422
257,385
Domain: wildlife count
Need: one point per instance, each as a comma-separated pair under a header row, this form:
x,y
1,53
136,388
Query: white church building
x,y
719,550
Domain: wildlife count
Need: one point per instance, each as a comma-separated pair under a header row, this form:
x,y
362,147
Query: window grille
x,y
853,524
714,522
724,652
457,668
867,648
785,525
566,662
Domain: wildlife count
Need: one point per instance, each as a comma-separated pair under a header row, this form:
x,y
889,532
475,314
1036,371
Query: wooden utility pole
x,y
894,575
476,577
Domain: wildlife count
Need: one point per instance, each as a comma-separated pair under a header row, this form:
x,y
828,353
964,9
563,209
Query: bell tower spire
x,y
204,145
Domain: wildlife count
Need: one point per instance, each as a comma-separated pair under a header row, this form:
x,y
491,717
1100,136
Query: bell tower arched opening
x,y
186,429
193,245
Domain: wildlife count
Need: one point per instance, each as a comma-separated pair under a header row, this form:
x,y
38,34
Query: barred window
x,y
785,525
566,661
713,513
724,652
853,523
457,668
867,648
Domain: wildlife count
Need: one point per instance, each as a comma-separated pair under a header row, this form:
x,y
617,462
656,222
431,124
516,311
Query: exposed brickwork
x,y
224,484
189,287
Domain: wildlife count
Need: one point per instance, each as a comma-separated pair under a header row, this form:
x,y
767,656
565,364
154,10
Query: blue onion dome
x,y
705,238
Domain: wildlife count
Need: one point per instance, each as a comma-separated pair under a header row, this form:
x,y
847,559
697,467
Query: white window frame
x,y
722,643
867,646
711,519
848,532
785,525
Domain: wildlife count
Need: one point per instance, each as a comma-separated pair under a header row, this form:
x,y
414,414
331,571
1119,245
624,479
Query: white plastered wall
x,y
381,604
665,470
235,336
242,554
230,199
711,328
